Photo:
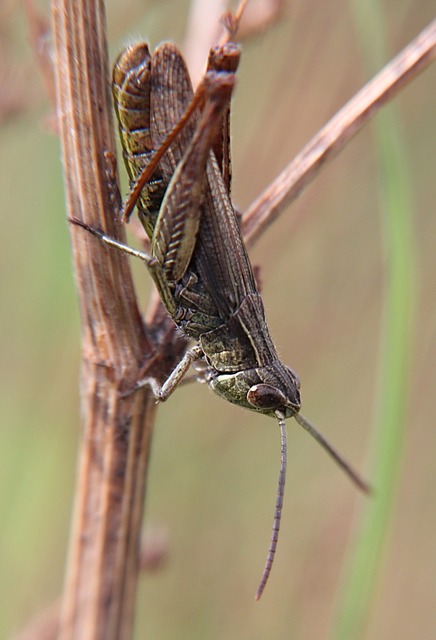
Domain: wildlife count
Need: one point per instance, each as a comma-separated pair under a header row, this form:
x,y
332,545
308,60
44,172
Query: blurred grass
x,y
397,331
214,467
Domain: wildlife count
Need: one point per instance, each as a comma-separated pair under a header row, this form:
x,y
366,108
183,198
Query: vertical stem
x,y
103,563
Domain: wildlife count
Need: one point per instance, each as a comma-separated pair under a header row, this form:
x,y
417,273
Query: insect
x,y
176,150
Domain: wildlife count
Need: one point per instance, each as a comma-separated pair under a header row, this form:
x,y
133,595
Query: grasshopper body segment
x,y
131,89
200,263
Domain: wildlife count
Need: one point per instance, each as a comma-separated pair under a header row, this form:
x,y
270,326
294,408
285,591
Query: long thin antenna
x,y
278,507
337,457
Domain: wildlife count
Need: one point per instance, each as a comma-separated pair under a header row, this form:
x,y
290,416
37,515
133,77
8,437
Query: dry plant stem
x,y
338,131
104,548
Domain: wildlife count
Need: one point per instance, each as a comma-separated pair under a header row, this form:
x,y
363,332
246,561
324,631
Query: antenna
x,y
337,457
278,507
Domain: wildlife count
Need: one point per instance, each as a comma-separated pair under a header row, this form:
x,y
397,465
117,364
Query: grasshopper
x,y
176,150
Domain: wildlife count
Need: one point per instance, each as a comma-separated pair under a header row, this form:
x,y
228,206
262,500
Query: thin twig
x,y
327,143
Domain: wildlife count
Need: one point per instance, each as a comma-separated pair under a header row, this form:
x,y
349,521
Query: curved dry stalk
x,y
327,143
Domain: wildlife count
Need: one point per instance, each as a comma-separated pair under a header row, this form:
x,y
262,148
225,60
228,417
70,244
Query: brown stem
x,y
327,143
104,548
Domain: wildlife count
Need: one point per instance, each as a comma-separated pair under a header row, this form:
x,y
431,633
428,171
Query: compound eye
x,y
265,396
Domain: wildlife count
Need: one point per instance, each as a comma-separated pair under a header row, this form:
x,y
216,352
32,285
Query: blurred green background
x,y
215,467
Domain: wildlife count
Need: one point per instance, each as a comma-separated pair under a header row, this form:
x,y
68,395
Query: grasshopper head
x,y
264,389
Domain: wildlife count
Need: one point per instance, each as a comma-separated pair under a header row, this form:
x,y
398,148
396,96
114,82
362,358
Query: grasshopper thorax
x,y
263,389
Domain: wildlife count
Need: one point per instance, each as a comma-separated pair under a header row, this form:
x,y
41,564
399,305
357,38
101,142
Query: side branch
x,y
327,143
